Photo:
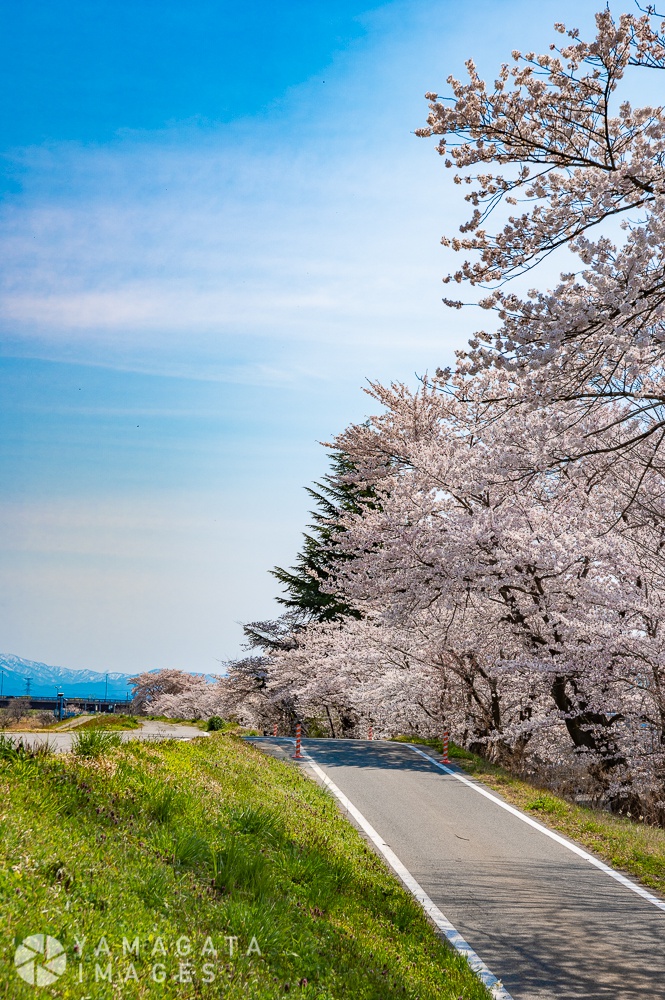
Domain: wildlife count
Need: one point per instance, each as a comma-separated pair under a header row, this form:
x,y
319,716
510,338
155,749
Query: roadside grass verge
x,y
632,847
35,723
170,844
110,722
94,743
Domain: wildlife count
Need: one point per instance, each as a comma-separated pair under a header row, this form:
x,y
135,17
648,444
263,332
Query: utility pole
x,y
28,682
106,689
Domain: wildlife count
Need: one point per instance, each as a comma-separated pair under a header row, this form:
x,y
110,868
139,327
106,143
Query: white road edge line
x,y
494,985
633,886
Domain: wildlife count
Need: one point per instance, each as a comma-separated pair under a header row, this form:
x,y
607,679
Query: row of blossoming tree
x,y
489,554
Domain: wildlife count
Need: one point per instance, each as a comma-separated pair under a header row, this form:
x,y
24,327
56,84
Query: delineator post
x,y
445,758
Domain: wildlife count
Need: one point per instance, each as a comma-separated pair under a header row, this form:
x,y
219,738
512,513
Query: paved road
x,y
150,730
546,922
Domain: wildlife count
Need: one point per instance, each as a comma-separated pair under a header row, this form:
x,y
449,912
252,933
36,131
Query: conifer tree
x,y
304,582
305,598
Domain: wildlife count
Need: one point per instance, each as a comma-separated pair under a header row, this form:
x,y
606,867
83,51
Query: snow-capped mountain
x,y
44,679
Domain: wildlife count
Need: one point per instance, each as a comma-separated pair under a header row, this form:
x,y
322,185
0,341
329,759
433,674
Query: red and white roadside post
x,y
445,759
370,735
297,755
274,730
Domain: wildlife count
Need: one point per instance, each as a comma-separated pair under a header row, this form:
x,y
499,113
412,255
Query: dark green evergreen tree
x,y
303,583
305,598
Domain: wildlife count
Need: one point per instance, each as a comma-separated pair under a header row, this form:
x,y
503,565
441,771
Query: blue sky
x,y
216,225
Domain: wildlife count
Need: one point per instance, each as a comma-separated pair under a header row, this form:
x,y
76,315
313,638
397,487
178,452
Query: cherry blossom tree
x,y
176,694
511,591
502,565
579,160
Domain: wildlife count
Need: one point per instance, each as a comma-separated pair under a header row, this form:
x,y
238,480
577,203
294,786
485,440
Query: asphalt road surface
x,y
545,921
150,730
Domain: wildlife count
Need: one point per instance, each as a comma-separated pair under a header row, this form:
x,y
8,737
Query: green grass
x,y
94,743
110,722
633,847
12,750
205,840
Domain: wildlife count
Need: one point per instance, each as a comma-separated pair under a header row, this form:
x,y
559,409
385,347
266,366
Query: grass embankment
x,y
35,723
109,723
174,843
632,847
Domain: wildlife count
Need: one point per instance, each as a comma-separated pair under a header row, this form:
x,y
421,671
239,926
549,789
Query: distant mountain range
x,y
45,680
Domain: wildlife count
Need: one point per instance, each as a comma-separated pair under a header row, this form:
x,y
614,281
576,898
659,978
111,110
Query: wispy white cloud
x,y
316,225
316,263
